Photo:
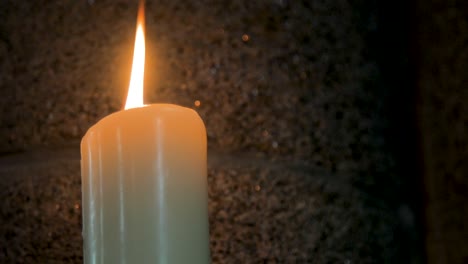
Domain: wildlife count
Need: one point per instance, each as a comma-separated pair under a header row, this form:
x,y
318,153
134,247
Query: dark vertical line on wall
x,y
397,67
388,28
419,205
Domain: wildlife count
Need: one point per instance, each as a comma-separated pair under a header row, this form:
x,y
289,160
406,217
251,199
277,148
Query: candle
x,y
144,181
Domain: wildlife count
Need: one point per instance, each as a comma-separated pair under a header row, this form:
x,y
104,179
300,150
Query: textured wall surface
x,y
260,211
305,103
298,85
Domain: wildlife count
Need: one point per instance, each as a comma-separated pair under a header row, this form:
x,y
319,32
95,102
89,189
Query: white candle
x,y
144,184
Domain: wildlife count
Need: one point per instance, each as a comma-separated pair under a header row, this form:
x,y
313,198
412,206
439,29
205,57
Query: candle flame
x,y
135,89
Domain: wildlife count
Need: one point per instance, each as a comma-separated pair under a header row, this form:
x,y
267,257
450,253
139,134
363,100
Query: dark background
x,y
336,129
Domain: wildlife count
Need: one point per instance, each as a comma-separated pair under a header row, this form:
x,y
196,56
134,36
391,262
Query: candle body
x,y
144,187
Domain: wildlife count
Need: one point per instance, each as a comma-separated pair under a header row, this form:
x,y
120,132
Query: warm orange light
x,y
135,89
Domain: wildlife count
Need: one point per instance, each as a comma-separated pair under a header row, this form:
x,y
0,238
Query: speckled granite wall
x,y
295,96
260,211
291,89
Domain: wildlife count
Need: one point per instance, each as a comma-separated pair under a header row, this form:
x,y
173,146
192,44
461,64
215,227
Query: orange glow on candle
x,y
135,89
144,180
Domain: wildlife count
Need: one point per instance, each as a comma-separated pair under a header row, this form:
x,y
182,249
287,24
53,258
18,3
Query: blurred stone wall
x,y
277,77
441,47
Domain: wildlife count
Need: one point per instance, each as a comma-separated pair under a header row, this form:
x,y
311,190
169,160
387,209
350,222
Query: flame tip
x,y
135,89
